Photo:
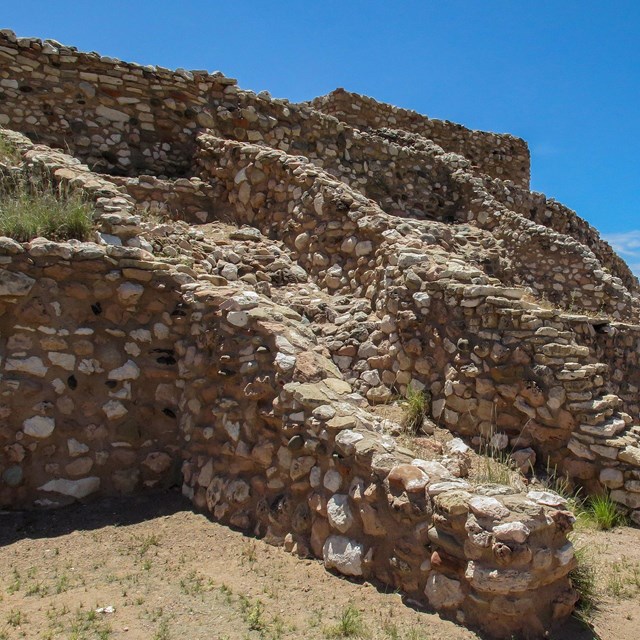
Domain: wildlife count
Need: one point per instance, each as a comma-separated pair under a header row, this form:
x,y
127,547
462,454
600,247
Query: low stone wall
x,y
115,116
287,454
498,155
550,213
89,389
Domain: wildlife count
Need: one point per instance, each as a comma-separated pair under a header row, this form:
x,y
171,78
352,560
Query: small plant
x,y
37,589
8,151
147,542
249,552
415,409
226,592
162,632
62,583
16,618
14,586
193,584
583,579
604,512
29,209
350,624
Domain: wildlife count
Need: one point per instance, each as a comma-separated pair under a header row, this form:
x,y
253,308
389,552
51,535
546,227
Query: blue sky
x,y
563,74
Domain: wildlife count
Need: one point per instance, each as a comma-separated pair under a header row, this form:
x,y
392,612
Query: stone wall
x,y
114,369
498,155
89,388
370,254
289,455
127,119
550,213
499,369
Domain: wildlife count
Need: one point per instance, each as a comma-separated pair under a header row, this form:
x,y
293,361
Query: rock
x,y
434,469
454,503
628,499
332,481
129,293
525,459
497,580
238,318
63,360
324,412
344,555
111,114
339,513
437,488
79,467
379,394
408,478
611,478
488,507
75,488
300,467
128,371
230,272
547,498
364,247
346,441
15,283
512,532
457,447
114,409
443,592
39,426
13,475
33,366
157,461
631,455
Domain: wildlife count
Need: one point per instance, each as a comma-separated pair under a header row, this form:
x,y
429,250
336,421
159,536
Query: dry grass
x,y
31,209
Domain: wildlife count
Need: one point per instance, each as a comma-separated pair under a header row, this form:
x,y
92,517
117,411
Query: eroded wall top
x,y
498,155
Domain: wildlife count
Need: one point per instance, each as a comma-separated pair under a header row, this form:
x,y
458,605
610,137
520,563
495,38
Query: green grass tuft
x,y
350,625
31,210
583,579
415,409
8,151
604,512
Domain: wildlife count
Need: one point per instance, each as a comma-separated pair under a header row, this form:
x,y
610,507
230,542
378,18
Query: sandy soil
x,y
171,573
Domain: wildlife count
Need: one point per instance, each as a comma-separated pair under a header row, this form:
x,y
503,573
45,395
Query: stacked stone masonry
x,y
261,274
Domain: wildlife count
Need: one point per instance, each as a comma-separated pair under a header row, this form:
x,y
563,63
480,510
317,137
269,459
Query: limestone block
x,y
488,507
443,592
344,555
339,513
39,426
611,478
631,455
33,366
15,283
75,488
128,371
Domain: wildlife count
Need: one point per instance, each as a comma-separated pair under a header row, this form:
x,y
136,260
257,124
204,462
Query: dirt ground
x,y
171,573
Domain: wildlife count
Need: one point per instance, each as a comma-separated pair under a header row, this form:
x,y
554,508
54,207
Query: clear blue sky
x,y
563,74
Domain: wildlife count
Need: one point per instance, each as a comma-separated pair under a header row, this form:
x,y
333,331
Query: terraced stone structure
x,y
262,273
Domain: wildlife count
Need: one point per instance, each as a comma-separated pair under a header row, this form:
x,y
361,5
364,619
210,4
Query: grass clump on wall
x,y
36,209
415,408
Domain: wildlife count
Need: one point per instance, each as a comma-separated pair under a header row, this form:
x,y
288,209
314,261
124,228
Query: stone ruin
x,y
262,274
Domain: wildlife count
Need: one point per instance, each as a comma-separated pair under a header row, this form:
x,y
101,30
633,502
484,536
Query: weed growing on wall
x,y
31,209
